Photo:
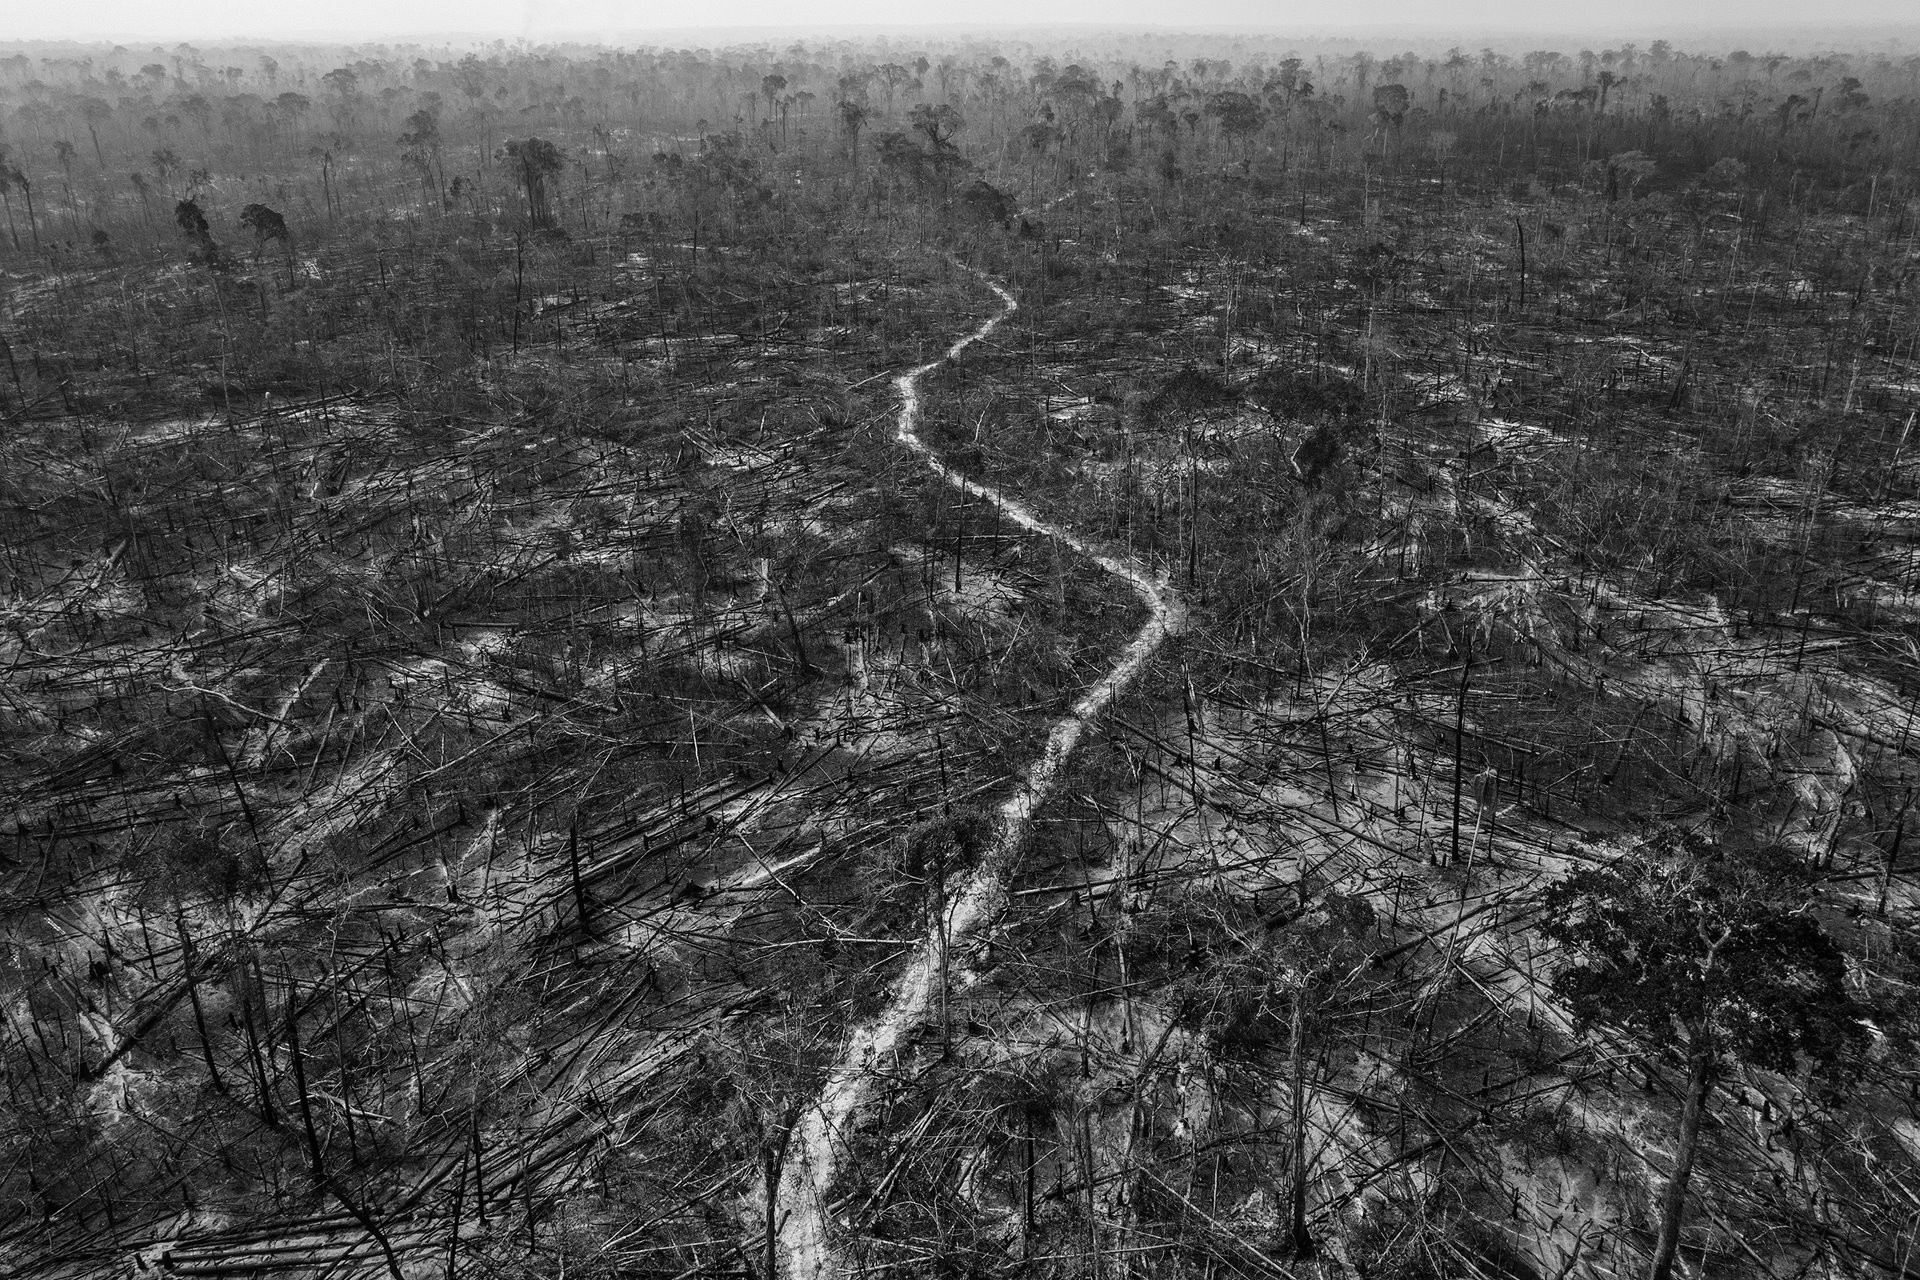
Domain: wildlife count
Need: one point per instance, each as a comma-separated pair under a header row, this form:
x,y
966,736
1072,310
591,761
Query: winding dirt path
x,y
817,1142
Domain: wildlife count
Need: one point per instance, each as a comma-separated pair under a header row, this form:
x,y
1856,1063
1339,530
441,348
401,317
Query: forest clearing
x,y
1140,656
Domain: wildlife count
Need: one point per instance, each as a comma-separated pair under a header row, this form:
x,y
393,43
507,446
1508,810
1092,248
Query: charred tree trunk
x,y
580,904
189,965
1673,1201
1460,746
1302,1240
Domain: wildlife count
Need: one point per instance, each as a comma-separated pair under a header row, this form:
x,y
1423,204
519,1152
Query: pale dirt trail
x,y
815,1146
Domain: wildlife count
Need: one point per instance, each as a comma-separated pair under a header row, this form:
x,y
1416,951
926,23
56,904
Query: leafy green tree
x,y
344,98
187,215
854,114
1717,949
165,164
902,156
25,186
1239,116
292,108
937,124
422,143
534,161
1157,113
95,112
144,190
1038,137
1391,102
267,224
893,75
987,202
1606,80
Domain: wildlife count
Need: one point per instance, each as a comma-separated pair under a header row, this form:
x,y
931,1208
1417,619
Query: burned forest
x,y
1122,656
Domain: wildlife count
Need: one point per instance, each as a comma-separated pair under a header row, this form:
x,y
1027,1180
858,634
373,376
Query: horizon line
x,y
1879,29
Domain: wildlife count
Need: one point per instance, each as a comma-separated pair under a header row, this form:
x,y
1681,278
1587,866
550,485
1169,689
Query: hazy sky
x,y
1622,19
